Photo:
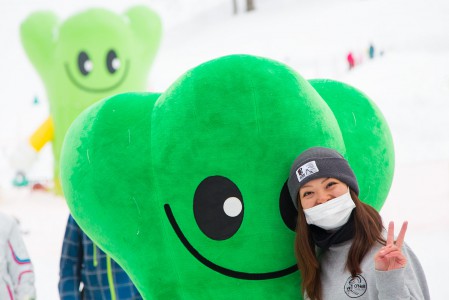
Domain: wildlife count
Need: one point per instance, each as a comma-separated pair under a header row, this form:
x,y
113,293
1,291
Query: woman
x,y
340,245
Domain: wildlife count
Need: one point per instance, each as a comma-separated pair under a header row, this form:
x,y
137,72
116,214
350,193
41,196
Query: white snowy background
x,y
409,83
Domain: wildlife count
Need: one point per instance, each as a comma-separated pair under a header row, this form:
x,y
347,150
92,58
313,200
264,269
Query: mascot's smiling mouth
x,y
97,90
217,268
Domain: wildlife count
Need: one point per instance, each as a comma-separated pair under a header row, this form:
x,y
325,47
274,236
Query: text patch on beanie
x,y
306,170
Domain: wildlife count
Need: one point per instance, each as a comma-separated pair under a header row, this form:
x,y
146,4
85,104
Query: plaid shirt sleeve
x,y
71,261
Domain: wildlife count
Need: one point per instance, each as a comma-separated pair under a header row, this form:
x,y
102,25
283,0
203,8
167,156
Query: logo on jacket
x,y
355,286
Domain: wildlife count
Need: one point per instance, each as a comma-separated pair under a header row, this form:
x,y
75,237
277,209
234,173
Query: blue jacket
x,y
84,266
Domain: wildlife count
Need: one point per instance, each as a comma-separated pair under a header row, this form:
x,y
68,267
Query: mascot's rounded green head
x,y
187,189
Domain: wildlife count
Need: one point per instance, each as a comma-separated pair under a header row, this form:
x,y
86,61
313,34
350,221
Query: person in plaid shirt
x,y
86,272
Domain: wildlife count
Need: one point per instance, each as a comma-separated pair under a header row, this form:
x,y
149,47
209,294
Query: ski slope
x,y
409,83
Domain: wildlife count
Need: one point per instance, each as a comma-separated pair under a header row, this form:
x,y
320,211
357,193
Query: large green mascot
x,y
89,56
187,189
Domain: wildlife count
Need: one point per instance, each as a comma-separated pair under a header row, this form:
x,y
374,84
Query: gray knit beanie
x,y
319,162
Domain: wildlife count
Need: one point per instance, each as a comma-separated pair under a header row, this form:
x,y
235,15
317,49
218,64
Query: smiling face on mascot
x,y
187,189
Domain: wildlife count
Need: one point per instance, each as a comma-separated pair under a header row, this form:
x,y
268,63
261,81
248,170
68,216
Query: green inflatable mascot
x,y
89,56
187,189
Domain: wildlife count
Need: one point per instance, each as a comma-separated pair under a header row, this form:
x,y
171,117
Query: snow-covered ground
x,y
409,82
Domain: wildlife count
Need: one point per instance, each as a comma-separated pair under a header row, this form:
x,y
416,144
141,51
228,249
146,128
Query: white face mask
x,y
331,215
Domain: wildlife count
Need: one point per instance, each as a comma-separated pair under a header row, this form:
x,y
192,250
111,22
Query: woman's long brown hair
x,y
368,231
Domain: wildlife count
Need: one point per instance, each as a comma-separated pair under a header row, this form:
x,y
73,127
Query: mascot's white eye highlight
x,y
116,63
88,66
232,206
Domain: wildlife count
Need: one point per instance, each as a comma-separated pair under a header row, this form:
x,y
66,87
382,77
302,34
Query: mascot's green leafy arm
x,y
187,189
91,55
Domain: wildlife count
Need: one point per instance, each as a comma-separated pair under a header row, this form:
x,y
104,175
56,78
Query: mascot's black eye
x,y
288,211
112,62
84,63
218,207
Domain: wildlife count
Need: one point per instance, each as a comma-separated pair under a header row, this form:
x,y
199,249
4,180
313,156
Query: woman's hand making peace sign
x,y
390,257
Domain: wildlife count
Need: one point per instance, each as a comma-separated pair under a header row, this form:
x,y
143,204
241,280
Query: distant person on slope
x,y
16,270
351,60
371,51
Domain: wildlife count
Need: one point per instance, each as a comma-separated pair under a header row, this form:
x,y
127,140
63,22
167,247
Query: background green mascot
x,y
91,55
187,189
